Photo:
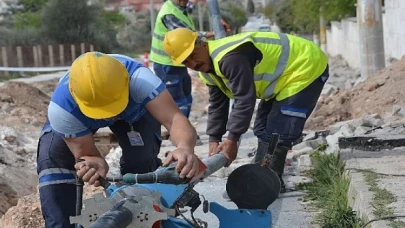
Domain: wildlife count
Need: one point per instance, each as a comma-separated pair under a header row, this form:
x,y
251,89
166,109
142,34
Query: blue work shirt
x,y
66,119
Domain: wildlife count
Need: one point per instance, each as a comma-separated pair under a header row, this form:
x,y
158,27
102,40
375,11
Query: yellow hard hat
x,y
99,85
179,43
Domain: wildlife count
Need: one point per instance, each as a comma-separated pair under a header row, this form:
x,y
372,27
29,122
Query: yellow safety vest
x,y
289,63
157,53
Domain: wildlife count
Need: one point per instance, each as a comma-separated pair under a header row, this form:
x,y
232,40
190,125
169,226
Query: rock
x,y
361,130
10,139
333,140
311,135
298,153
6,107
398,110
310,143
302,145
337,126
304,161
373,120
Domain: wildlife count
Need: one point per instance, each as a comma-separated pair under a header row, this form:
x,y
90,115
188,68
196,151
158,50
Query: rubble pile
x,y
376,95
17,167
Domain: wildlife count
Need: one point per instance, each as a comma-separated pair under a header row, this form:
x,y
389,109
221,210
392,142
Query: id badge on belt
x,y
134,137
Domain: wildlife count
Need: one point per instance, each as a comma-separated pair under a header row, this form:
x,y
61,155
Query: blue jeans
x,y
55,167
287,117
178,83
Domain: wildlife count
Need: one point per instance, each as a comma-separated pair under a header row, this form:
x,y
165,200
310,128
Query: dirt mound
x,y
22,104
28,213
376,95
47,86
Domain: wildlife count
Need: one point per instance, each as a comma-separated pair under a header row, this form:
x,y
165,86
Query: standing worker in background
x,y
112,91
286,72
174,14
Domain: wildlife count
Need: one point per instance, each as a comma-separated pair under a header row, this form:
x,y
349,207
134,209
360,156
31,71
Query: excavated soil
x,y
376,95
22,105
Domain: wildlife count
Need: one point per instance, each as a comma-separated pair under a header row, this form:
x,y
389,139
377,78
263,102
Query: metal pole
x,y
322,30
219,30
152,15
200,16
371,36
213,9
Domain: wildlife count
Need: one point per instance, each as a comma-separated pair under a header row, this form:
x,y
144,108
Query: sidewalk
x,y
381,191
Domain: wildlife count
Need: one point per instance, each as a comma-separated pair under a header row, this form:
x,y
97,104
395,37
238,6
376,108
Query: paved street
x,y
287,211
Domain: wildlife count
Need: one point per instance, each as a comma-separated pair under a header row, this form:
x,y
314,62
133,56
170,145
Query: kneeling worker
x,y
286,72
114,91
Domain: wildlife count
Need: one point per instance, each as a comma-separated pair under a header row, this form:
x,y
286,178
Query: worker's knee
x,y
289,123
53,153
57,204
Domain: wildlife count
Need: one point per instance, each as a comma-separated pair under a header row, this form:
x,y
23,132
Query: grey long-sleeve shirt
x,y
237,66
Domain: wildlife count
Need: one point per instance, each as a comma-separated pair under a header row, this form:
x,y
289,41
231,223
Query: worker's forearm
x,y
209,35
80,153
182,133
82,146
240,118
217,114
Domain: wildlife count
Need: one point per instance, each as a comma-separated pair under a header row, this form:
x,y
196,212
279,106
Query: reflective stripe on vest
x,y
271,78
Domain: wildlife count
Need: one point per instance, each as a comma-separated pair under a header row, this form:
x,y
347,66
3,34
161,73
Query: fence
x,y
343,36
41,55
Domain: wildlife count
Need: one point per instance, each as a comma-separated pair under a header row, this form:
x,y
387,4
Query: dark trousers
x,y
55,167
287,117
178,83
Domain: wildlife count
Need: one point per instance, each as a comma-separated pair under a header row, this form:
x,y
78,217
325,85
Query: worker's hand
x,y
230,150
213,148
187,163
226,26
91,169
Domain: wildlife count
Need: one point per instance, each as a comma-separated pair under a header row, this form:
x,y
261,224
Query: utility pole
x,y
200,16
213,9
322,30
369,19
152,15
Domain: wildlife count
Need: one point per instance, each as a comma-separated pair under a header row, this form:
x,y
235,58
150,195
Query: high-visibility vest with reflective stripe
x,y
157,53
289,63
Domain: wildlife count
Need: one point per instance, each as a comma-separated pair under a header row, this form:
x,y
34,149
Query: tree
x,y
305,13
250,7
135,35
70,21
76,21
267,11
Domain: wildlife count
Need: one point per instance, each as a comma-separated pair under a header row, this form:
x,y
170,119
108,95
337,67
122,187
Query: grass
x,y
4,78
382,199
328,191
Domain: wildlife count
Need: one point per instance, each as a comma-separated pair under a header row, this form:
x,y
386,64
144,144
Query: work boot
x,y
277,164
262,149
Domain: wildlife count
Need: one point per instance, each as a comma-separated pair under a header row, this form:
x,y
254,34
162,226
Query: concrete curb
x,y
360,198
